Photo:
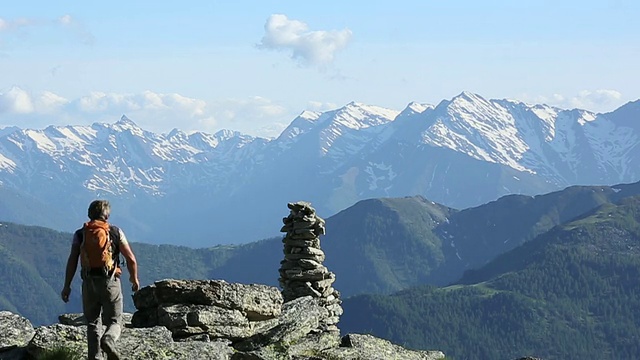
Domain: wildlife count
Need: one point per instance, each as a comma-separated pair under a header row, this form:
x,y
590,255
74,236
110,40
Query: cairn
x,y
301,271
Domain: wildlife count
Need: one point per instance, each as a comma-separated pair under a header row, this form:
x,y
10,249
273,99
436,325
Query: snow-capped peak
x,y
127,124
226,134
300,125
356,115
176,133
371,110
417,108
124,120
466,98
309,115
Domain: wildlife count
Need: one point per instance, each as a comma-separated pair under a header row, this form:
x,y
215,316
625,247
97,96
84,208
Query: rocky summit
x,y
209,319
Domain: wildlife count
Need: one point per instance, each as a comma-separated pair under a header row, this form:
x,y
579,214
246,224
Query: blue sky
x,y
252,66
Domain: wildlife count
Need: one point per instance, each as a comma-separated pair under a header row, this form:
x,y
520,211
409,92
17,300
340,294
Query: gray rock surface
x,y
257,302
291,336
211,308
15,331
58,335
299,318
357,346
146,343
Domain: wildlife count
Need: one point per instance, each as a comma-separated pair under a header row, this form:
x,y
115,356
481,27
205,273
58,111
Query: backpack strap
x,y
114,235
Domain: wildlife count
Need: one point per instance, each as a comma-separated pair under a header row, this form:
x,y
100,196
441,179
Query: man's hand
x,y
135,284
66,291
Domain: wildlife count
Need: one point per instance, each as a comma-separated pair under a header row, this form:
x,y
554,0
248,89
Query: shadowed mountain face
x,y
463,152
376,246
567,294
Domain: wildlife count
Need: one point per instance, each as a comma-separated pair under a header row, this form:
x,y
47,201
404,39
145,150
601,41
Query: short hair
x,y
99,210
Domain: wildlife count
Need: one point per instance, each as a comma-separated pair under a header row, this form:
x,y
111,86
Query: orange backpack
x,y
98,253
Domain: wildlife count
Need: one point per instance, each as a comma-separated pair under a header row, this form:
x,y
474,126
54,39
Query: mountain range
x,y
461,153
570,293
377,246
553,275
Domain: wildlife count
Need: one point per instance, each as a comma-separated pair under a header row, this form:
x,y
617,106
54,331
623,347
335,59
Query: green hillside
x,y
385,245
569,294
475,236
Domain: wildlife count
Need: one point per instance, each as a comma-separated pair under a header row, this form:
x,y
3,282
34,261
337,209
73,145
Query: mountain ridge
x,y
569,293
462,152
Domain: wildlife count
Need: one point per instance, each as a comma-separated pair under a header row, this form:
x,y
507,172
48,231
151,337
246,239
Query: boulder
x,y
299,318
187,320
58,335
15,331
257,302
211,308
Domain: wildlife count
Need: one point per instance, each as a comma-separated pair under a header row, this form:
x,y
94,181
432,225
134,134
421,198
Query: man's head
x,y
99,210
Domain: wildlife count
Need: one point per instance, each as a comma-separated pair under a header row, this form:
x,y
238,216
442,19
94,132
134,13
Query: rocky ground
x,y
210,319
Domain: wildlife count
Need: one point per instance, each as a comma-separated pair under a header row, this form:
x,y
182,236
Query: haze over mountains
x,y
460,153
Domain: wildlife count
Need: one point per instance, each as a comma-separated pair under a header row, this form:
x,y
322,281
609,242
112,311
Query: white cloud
x,y
16,101
255,116
601,100
49,102
308,47
152,111
596,99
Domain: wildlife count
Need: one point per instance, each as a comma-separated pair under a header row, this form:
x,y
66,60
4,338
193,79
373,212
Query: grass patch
x,y
60,353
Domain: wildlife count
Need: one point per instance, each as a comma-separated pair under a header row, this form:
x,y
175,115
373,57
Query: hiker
x,y
98,245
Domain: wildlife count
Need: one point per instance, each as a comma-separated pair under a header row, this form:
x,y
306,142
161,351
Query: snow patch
x,y
379,172
7,164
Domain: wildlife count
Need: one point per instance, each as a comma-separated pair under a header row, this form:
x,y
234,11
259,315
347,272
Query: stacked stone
x,y
301,271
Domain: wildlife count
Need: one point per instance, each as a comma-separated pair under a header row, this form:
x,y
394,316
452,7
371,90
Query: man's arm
x,y
132,265
72,265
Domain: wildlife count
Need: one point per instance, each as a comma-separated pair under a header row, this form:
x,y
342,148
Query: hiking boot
x,y
108,345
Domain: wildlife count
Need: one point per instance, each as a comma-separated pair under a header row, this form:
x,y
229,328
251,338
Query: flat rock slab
x,y
257,302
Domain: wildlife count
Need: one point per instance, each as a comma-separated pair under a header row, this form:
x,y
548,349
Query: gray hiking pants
x,y
102,305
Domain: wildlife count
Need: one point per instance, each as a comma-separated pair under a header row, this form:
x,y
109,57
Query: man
x,y
100,272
